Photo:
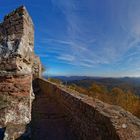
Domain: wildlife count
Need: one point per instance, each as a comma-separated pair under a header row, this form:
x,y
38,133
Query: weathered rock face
x,y
37,70
17,67
16,42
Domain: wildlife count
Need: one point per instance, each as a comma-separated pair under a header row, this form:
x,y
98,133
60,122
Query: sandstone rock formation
x,y
18,65
17,42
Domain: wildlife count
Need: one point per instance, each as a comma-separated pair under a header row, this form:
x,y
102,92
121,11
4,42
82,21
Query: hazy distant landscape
x,y
125,83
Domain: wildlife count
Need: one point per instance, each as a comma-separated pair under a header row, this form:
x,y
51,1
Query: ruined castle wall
x,y
16,42
92,119
16,70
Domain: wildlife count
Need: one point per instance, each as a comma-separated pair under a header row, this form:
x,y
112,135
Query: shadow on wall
x,y
2,130
49,121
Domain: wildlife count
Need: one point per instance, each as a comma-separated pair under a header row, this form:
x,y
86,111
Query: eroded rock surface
x,y
17,42
18,65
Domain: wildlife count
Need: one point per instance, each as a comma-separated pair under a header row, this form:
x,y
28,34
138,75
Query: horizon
x,y
85,37
90,76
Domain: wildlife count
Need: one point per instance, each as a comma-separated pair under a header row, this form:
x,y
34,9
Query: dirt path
x,y
48,121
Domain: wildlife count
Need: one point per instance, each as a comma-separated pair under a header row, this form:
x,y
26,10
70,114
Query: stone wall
x,y
92,119
17,42
16,71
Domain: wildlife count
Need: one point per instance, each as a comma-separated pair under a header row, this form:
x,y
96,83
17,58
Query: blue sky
x,y
85,37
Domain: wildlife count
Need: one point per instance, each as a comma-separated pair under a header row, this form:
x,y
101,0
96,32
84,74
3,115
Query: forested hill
x,y
126,83
124,92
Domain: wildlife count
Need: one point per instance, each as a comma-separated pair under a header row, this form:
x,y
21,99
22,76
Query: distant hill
x,y
125,83
72,78
115,91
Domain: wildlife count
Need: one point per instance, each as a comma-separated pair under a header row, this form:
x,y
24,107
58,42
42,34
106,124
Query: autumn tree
x,y
56,81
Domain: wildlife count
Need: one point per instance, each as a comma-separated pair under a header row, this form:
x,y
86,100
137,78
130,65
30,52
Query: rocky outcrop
x,y
17,68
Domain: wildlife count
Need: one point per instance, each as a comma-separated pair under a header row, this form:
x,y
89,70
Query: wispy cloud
x,y
66,57
97,34
52,40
